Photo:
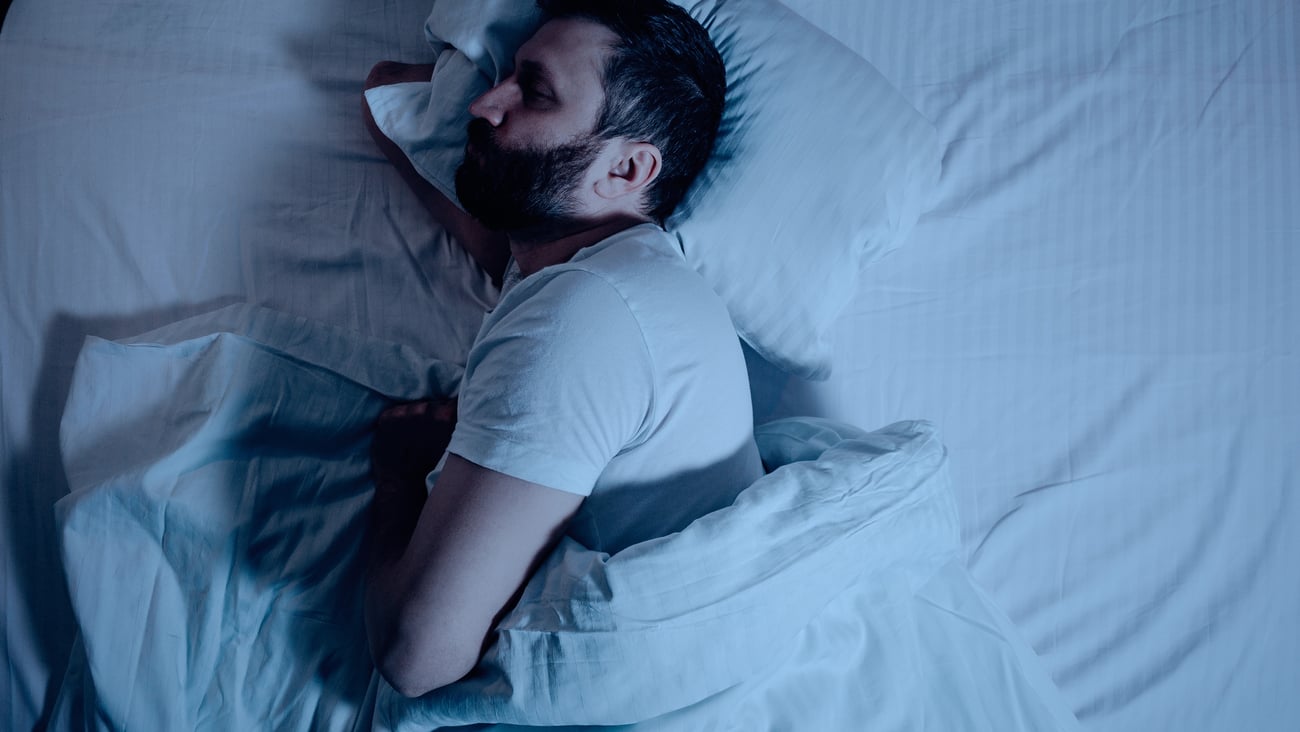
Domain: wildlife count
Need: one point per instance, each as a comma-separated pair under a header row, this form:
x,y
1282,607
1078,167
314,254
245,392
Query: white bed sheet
x,y
1098,314
161,159
1101,314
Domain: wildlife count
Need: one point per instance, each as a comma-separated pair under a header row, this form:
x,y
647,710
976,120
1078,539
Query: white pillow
x,y
821,165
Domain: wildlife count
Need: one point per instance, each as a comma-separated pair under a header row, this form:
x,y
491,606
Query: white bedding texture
x,y
1095,310
214,539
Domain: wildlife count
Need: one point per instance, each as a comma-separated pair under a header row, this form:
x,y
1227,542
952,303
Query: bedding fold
x,y
214,541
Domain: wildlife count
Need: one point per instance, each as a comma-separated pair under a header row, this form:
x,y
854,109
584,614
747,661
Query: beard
x,y
527,192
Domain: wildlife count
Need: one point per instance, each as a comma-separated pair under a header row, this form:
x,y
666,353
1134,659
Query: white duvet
x,y
214,535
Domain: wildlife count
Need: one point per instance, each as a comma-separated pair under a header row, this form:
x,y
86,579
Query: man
x,y
606,395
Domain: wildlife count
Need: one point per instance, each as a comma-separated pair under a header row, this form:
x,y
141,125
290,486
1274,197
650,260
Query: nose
x,y
494,103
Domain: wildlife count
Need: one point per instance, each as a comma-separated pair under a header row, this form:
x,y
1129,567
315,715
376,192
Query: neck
x,y
534,253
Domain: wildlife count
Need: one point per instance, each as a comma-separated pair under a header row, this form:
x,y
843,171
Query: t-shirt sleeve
x,y
557,385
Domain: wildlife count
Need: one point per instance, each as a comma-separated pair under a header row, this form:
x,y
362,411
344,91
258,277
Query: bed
x,y
1091,326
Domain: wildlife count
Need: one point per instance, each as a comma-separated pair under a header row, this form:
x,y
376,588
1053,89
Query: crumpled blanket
x,y
214,540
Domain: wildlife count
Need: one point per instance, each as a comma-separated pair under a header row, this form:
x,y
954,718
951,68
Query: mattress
x,y
1097,311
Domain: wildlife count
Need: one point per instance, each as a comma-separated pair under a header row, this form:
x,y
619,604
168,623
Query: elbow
x,y
415,650
413,681
415,669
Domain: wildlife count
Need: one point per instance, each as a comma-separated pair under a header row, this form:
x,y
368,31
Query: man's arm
x,y
433,596
491,250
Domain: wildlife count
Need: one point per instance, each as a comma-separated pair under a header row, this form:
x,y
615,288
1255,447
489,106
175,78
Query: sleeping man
x,y
605,396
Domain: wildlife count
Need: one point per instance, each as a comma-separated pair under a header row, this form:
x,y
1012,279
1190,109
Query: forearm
x,y
412,656
413,646
479,537
414,643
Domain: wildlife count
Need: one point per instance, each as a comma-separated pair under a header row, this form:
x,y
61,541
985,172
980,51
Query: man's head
x,y
614,106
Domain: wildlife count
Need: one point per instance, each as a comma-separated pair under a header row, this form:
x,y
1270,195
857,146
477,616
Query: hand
x,y
409,440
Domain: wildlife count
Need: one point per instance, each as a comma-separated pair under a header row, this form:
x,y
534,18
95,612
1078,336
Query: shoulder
x,y
645,266
559,381
610,284
558,331
675,308
565,303
635,256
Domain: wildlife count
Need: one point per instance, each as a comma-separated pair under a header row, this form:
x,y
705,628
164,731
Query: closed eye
x,y
533,85
533,92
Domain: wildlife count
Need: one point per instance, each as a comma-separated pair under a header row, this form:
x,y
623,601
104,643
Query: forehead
x,y
570,52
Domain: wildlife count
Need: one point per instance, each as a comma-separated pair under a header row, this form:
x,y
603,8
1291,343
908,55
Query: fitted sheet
x,y
161,160
1098,312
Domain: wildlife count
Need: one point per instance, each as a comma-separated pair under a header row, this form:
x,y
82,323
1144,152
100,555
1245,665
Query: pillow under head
x,y
821,165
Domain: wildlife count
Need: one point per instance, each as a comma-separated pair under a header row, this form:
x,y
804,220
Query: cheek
x,y
541,130
514,137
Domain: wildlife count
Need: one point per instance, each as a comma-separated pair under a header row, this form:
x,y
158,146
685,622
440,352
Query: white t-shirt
x,y
617,375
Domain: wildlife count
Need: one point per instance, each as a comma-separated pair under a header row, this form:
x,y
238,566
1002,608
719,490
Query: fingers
x,y
409,438
407,411
443,409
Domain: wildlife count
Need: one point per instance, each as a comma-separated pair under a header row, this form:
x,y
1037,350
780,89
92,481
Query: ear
x,y
633,166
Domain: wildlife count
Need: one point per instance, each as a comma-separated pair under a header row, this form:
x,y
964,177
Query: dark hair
x,y
665,84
